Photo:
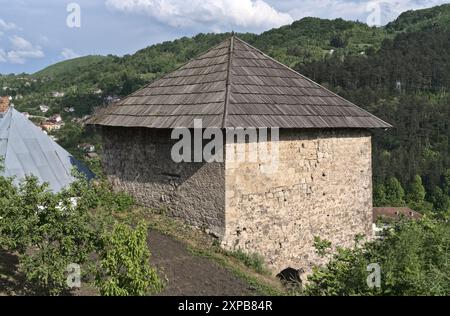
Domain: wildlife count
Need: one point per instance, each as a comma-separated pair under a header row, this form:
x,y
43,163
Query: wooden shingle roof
x,y
235,85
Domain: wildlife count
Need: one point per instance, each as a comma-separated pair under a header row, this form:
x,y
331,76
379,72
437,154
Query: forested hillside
x,y
400,72
406,83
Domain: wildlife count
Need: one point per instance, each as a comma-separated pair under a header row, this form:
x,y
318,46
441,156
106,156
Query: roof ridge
x,y
8,121
310,80
228,81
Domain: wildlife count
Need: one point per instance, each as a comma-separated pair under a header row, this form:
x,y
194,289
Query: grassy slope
x,y
201,244
69,66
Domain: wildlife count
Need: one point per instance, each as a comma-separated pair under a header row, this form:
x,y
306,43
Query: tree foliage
x,y
395,194
49,231
416,194
406,84
124,264
440,200
414,258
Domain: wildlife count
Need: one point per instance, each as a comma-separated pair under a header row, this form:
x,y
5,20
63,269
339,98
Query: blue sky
x,y
37,33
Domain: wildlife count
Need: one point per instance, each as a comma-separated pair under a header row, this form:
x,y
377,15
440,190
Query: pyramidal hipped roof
x,y
235,85
26,150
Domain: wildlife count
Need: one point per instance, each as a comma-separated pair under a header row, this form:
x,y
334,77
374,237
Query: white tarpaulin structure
x,y
26,150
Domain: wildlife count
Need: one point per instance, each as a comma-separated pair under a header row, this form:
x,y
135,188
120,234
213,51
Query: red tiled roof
x,y
4,104
394,213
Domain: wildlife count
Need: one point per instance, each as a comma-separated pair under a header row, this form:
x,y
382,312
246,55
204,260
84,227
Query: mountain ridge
x,y
312,32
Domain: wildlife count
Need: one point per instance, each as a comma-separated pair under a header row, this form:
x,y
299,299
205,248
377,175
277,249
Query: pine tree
x,y
440,200
416,193
446,182
379,195
395,195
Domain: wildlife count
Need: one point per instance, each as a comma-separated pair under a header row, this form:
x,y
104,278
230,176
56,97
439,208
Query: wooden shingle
x,y
235,85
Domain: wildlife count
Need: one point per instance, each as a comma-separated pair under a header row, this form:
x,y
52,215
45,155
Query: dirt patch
x,y
13,282
188,274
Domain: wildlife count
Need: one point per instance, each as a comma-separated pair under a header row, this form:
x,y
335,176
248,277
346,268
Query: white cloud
x,y
20,51
217,14
6,26
67,53
20,43
2,56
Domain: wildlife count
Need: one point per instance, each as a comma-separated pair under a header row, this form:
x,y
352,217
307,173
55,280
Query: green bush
x,y
46,230
124,263
99,194
50,231
414,257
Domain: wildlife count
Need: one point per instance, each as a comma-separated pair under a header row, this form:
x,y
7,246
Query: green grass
x,y
252,260
70,65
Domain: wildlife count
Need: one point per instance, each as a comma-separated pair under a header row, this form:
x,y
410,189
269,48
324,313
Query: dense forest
x,y
406,83
399,72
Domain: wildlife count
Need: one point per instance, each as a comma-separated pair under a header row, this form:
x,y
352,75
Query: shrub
x,y
414,257
124,263
50,231
99,194
46,230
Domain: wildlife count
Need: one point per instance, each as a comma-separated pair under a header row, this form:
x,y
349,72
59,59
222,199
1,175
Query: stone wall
x,y
322,187
138,161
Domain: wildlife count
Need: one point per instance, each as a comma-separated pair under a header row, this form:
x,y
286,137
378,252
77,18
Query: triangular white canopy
x,y
26,150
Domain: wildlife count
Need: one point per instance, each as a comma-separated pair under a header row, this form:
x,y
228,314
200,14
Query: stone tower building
x,y
321,184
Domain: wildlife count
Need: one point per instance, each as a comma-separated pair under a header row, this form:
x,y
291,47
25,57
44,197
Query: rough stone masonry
x,y
321,187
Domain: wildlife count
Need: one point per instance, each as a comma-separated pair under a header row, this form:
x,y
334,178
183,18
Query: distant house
x,y
54,122
88,148
43,108
56,118
26,150
394,213
321,180
4,104
387,214
49,126
69,109
98,91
